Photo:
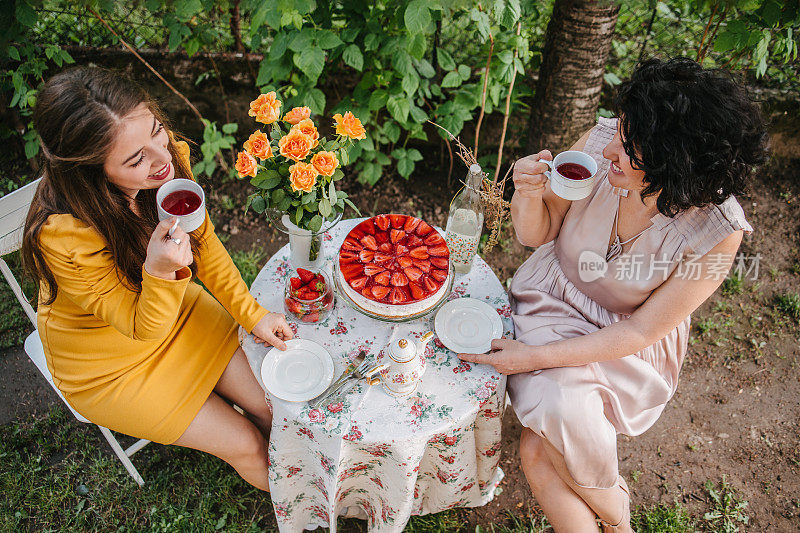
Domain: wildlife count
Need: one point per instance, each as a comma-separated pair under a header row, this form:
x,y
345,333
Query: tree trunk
x,y
576,49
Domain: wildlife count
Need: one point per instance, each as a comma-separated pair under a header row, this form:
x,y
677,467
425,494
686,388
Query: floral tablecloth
x,y
370,454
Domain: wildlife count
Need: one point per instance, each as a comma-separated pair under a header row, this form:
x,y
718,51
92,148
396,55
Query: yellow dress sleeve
x,y
219,274
85,273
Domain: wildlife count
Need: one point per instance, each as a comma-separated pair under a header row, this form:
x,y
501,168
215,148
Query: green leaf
x,y
13,53
401,62
198,168
445,59
332,192
325,207
418,114
410,84
186,9
377,100
26,15
417,16
315,224
326,39
352,206
352,56
371,42
452,79
414,155
344,158
311,61
337,175
392,131
259,204
464,72
301,40
309,197
277,196
405,167
416,45
425,69
398,107
315,99
230,127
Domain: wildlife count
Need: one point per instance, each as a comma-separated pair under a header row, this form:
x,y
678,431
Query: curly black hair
x,y
693,131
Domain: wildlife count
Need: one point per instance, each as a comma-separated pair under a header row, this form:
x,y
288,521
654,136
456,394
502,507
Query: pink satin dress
x,y
566,288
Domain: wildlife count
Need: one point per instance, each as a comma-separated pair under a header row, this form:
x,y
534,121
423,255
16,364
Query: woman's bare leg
x,y
220,430
609,504
565,510
238,385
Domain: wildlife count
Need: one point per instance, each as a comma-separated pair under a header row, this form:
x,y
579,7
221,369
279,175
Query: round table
x,y
367,453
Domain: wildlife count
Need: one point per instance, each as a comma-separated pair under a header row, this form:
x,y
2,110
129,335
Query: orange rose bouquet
x,y
294,169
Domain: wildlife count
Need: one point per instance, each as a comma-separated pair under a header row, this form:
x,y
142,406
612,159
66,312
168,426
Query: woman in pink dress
x,y
601,308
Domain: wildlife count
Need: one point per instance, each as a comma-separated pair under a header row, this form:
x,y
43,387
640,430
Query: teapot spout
x,y
425,339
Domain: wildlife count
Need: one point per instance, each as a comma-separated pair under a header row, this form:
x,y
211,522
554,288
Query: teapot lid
x,y
402,350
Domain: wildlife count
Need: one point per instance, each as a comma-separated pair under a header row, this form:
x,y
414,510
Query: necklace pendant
x,y
614,250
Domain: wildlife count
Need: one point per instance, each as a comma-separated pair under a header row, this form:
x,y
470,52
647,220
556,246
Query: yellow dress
x,y
139,363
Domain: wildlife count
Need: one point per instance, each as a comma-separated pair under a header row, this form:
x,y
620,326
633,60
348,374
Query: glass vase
x,y
306,247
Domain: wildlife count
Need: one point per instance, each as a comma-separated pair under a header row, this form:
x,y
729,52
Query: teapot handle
x,y
426,337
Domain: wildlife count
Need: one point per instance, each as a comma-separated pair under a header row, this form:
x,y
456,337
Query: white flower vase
x,y
305,246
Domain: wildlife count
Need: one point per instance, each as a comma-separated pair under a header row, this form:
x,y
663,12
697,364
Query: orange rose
x,y
258,145
265,108
307,127
349,126
295,145
303,176
246,165
297,114
325,162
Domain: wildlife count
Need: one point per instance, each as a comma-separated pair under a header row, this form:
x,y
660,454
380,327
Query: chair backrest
x,y
13,212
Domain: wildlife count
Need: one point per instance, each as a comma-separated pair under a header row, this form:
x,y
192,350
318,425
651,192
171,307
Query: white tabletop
x,y
370,453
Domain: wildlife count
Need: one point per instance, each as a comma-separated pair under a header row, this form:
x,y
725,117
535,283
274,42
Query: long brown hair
x,y
77,116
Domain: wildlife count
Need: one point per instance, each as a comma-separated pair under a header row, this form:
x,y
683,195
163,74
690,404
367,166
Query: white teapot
x,y
405,360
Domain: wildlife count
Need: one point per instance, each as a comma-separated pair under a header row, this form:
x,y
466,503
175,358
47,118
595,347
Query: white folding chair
x,y
13,211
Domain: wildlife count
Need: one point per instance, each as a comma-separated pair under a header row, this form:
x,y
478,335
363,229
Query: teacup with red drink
x,y
572,174
183,199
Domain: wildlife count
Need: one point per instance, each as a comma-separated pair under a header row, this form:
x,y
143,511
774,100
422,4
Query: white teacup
x,y
566,188
189,221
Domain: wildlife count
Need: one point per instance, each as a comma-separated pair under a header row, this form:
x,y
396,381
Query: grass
x,y
249,262
788,304
733,285
59,474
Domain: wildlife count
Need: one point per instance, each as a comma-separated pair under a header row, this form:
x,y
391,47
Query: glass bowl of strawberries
x,y
308,296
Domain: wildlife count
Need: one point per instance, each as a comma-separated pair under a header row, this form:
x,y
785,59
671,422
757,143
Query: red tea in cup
x,y
181,202
572,171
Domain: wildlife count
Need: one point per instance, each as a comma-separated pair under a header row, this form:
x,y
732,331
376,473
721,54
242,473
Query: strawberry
x,y
397,235
296,283
439,275
293,306
366,256
420,252
351,244
380,292
413,273
306,275
311,294
383,278
382,221
423,265
318,286
423,228
431,285
352,270
433,239
440,250
382,257
397,296
440,262
367,291
404,261
413,241
400,249
385,247
359,283
313,316
411,224
370,242
371,270
398,221
367,227
399,279
416,291
381,237
347,256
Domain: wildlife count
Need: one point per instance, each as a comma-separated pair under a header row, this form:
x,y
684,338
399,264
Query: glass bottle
x,y
465,222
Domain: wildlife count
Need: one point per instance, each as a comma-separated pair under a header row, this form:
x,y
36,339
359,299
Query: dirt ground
x,y
735,413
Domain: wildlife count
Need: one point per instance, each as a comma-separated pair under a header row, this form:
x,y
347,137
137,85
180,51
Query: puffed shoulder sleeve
x,y
706,227
85,272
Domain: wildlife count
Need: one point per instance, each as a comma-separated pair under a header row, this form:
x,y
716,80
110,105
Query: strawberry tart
x,y
394,266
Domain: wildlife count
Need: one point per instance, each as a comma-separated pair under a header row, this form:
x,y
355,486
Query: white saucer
x,y
467,325
300,373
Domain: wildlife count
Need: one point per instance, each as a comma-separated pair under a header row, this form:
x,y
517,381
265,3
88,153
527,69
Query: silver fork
x,y
363,367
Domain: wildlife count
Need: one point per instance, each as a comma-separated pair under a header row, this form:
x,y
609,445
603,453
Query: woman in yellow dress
x,y
131,341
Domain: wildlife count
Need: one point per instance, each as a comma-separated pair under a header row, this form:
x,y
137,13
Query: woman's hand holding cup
x,y
168,251
529,174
